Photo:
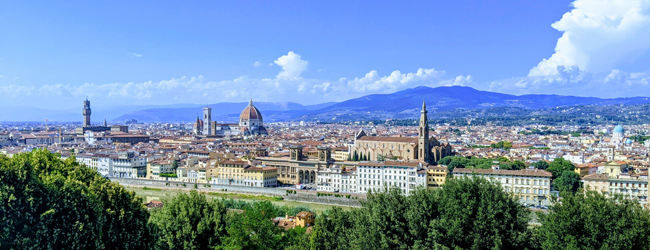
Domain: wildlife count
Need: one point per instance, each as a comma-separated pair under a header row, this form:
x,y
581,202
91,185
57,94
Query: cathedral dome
x,y
250,113
619,129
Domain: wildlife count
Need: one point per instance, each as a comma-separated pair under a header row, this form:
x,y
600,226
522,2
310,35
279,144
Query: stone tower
x,y
423,135
207,120
86,113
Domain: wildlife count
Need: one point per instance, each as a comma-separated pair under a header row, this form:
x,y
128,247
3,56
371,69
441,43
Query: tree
x,y
558,166
476,214
330,230
190,222
466,214
543,165
517,165
592,221
254,229
47,203
569,181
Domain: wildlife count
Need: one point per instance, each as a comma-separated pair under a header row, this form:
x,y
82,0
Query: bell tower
x,y
207,120
86,113
423,135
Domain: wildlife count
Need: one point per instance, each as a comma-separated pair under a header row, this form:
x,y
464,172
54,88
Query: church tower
x,y
423,135
86,113
207,120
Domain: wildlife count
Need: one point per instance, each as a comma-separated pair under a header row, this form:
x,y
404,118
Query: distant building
x,y
87,126
250,123
423,148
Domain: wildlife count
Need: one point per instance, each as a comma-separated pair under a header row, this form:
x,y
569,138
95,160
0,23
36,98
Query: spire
x,y
250,103
104,122
424,106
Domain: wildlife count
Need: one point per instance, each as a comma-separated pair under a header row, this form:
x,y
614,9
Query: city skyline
x,y
581,48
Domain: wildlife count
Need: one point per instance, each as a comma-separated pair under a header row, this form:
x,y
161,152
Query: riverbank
x,y
165,194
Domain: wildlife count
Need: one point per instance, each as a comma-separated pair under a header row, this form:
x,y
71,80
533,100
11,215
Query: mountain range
x,y
399,105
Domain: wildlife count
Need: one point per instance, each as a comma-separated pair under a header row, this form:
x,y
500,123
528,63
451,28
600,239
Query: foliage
x,y
558,166
190,222
569,181
466,214
502,145
543,165
47,203
168,175
592,221
254,229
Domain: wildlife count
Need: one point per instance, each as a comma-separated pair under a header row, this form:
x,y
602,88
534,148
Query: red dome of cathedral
x,y
250,113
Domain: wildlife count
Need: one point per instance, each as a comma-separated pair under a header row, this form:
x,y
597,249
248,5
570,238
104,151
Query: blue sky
x,y
53,54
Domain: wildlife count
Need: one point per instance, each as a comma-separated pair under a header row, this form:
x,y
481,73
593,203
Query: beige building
x,y
436,176
530,186
423,148
630,187
300,169
596,182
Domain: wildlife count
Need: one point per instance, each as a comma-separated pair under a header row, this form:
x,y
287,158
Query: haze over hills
x,y
224,112
398,105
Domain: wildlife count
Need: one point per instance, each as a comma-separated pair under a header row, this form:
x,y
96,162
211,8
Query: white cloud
x,y
599,35
292,66
257,64
395,81
134,54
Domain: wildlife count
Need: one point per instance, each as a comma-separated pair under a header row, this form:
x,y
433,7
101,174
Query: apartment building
x,y
529,186
337,179
378,175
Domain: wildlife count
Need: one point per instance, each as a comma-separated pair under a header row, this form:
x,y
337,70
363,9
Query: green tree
x,y
558,166
569,181
47,203
330,230
517,165
543,165
592,221
466,214
190,222
476,214
254,229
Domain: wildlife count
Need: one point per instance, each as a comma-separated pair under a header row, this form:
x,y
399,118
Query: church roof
x,y
389,139
250,112
619,129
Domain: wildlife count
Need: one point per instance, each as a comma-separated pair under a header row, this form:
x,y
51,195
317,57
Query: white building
x,y
123,165
337,179
530,186
377,176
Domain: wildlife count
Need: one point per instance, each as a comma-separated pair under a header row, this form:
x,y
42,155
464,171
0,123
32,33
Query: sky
x,y
54,54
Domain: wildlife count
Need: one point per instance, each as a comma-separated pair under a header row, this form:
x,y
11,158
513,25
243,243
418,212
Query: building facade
x,y
377,176
529,186
423,148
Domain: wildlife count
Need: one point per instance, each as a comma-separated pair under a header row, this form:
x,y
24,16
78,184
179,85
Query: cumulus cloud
x,y
599,35
395,81
257,64
201,90
292,66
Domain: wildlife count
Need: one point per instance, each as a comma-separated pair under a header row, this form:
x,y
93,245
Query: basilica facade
x,y
423,148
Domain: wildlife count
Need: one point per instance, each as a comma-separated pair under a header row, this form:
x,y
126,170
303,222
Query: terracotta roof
x,y
596,177
523,172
